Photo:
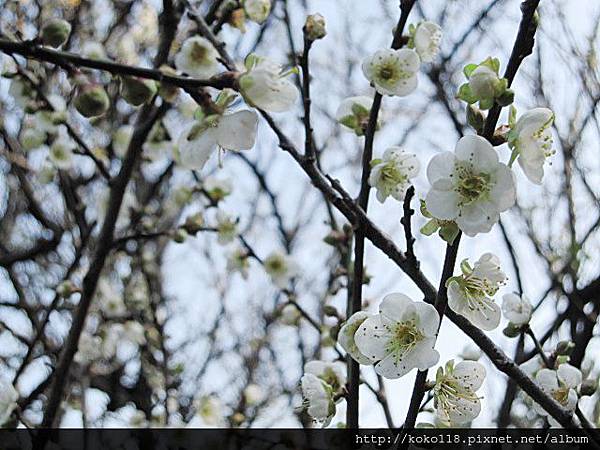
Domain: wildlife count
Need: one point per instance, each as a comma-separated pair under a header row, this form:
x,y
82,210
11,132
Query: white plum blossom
x,y
470,294
120,140
401,337
317,398
230,131
197,57
426,38
392,173
354,112
454,393
257,10
530,139
266,86
470,186
89,349
217,188
281,268
61,151
226,228
332,373
393,72
561,385
237,261
346,337
210,409
8,400
517,308
253,394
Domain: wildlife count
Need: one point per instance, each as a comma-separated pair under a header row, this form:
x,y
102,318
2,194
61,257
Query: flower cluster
x,y
392,173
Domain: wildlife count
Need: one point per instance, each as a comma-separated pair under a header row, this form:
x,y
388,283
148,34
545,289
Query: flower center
x,y
471,186
405,336
275,265
449,394
561,395
198,52
388,71
392,176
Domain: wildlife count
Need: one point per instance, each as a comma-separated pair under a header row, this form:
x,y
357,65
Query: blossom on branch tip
x,y
401,337
55,32
61,151
517,308
266,86
470,294
425,38
332,373
391,174
485,85
470,186
197,58
314,27
317,399
530,139
454,392
237,261
346,337
393,72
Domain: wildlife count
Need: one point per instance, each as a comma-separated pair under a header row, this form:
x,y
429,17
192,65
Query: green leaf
x,y
359,110
349,121
375,161
469,68
465,94
486,103
430,227
424,209
465,267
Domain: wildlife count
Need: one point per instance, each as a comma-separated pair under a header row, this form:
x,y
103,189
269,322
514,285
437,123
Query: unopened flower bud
x,y
92,100
512,330
237,19
257,10
137,91
589,387
330,311
180,235
194,223
314,28
55,32
66,289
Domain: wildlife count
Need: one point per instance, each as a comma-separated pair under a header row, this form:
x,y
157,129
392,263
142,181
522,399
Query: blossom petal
x,y
470,374
346,337
237,131
372,337
547,379
441,166
429,319
393,306
194,154
478,151
569,375
442,204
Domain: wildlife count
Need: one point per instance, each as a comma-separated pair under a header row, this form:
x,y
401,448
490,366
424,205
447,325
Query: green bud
x,y
55,32
137,91
66,289
180,235
512,330
333,332
91,100
589,387
330,311
194,223
562,359
314,27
